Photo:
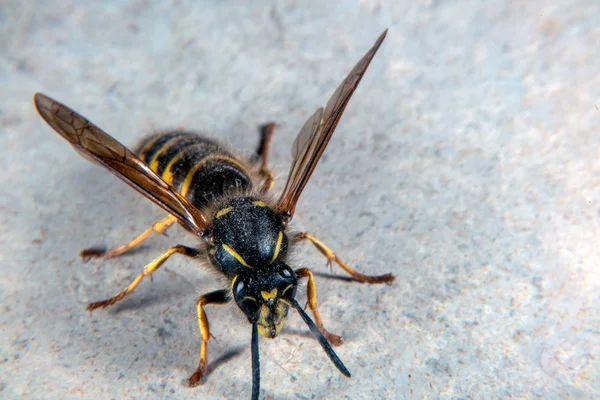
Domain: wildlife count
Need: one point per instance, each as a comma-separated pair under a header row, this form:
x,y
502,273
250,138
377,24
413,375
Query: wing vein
x,y
98,146
313,137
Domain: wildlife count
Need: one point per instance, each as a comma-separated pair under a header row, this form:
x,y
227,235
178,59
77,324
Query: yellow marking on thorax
x,y
269,295
190,175
235,255
277,246
259,203
223,211
165,147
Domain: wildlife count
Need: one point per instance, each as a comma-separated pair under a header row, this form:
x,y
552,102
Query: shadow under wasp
x,y
223,199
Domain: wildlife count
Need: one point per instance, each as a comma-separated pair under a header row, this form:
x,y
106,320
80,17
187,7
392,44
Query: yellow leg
x,y
148,271
158,227
266,132
216,297
311,301
327,252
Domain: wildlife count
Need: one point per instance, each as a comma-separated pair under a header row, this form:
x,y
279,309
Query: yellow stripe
x,y
286,289
269,295
277,246
167,175
223,211
233,282
190,175
259,203
165,147
235,255
142,152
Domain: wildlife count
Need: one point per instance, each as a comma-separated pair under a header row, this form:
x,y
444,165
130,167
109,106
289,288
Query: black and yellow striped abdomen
x,y
198,168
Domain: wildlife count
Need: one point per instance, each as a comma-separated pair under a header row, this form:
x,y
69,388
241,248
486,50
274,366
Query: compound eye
x,y
239,287
286,273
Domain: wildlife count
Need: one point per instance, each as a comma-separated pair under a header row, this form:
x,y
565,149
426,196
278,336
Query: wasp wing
x,y
96,145
316,132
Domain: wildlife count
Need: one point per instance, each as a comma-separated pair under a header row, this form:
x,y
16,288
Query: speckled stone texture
x,y
467,163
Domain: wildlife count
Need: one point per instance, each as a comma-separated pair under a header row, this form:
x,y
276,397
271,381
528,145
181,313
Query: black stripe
x,y
192,155
175,148
149,153
215,179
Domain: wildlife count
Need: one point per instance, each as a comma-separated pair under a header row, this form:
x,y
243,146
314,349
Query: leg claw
x,y
194,380
335,340
87,254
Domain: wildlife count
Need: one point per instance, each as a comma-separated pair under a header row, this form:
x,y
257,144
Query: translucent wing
x,y
96,145
315,134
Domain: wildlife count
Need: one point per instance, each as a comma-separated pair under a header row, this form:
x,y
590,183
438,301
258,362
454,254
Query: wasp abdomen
x,y
199,168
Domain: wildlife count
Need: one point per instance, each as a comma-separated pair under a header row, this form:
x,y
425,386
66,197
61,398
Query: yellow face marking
x,y
233,282
286,289
269,295
259,203
235,255
284,301
190,175
250,298
277,246
223,211
163,150
270,322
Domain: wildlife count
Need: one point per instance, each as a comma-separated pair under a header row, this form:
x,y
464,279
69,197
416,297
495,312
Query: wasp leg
x,y
148,271
331,256
262,154
216,297
311,301
158,227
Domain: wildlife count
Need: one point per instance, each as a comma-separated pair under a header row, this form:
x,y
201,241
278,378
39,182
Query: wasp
x,y
223,199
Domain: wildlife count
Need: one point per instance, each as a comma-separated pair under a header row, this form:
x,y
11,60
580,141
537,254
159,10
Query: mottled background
x,y
467,164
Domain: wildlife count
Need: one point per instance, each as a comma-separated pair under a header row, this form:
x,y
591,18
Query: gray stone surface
x,y
467,164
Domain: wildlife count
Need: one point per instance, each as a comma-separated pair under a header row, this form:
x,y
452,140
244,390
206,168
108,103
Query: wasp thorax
x,y
264,297
247,235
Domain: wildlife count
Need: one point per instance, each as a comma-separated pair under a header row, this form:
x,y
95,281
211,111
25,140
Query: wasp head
x,y
265,297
